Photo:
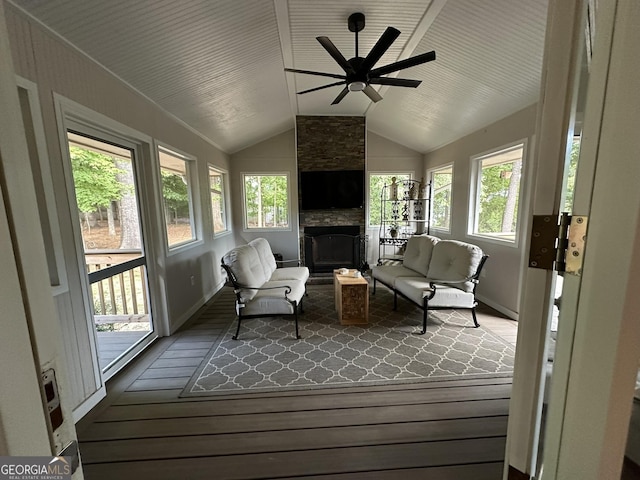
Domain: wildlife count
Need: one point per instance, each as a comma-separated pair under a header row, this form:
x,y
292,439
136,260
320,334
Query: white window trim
x,y
62,285
226,199
194,194
474,189
411,174
244,202
430,180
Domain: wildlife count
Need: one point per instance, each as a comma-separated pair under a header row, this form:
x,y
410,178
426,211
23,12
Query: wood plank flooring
x,y
452,429
113,344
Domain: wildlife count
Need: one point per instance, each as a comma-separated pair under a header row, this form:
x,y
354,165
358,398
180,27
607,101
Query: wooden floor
x,y
452,429
113,344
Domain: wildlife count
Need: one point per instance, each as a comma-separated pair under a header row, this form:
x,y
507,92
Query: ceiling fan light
x,y
357,86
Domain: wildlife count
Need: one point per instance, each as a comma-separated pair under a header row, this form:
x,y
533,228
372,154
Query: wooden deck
x,y
113,344
453,429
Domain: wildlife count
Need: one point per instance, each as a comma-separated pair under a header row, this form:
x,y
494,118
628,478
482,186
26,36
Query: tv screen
x,y
332,189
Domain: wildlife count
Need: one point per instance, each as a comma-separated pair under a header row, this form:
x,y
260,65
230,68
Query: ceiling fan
x,y
359,72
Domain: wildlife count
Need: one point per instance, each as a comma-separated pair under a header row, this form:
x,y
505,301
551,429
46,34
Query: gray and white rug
x,y
267,356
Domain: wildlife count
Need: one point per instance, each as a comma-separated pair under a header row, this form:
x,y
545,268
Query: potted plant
x,y
393,230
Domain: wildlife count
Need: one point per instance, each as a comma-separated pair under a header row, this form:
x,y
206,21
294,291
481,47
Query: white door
x,y
110,237
558,428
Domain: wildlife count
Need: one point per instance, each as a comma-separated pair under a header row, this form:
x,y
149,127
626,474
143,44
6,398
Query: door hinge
x,y
558,247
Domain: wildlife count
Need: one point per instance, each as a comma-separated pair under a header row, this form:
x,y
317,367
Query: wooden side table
x,y
352,298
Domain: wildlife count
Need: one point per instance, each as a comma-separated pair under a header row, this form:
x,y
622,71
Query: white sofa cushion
x,y
246,266
416,288
300,274
388,274
273,302
453,260
417,254
267,260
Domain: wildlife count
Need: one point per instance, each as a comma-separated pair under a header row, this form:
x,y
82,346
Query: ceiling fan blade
x,y
409,62
340,96
320,88
396,82
371,92
379,49
309,72
335,53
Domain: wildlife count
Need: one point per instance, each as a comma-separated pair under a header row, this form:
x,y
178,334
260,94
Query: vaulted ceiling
x,y
218,65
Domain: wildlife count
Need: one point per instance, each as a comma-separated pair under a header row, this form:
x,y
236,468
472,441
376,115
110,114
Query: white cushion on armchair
x,y
417,254
416,288
248,269
265,255
268,262
273,301
453,260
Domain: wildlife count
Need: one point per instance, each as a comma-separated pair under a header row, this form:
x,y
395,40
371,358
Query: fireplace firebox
x,y
329,247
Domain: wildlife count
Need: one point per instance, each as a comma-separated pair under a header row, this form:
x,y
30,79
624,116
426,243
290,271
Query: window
x,y
441,181
177,197
217,189
376,182
497,193
266,201
570,175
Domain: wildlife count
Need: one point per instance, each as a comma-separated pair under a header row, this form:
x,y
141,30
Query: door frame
x,y
73,116
598,387
536,299
594,421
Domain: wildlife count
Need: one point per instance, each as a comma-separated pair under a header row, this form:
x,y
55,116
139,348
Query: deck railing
x,y
123,295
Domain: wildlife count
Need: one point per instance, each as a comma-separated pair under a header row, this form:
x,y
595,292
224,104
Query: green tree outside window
x,y
266,201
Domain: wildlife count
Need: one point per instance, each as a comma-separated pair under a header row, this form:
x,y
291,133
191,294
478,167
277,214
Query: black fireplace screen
x,y
328,248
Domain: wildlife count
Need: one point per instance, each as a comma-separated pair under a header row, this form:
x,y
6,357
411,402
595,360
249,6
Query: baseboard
x,y
509,313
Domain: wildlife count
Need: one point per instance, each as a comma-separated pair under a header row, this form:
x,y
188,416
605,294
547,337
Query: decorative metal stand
x,y
405,210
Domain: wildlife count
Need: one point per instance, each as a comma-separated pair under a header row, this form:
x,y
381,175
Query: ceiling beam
x,y
414,40
284,31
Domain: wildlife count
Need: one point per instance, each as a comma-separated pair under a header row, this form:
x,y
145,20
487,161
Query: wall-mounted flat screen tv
x,y
332,189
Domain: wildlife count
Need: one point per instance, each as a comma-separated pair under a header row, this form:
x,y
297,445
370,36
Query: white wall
x,y
58,69
277,154
500,284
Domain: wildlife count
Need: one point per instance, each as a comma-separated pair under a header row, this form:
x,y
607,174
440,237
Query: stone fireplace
x,y
331,143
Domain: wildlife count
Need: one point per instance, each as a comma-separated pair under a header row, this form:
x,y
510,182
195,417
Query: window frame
x,y
430,174
475,188
192,191
226,205
409,173
245,227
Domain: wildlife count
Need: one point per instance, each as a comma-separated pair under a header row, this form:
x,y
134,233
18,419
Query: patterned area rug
x,y
268,357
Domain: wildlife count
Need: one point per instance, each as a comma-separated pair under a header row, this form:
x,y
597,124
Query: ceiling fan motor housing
x,y
356,80
356,22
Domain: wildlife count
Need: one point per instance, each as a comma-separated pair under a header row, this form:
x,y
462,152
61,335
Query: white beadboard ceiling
x,y
218,65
